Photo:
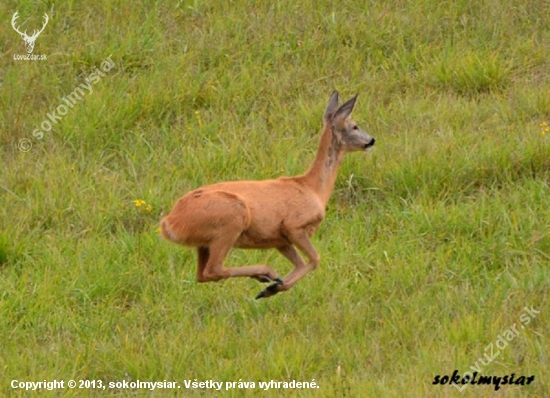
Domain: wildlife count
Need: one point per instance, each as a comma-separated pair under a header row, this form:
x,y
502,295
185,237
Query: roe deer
x,y
281,214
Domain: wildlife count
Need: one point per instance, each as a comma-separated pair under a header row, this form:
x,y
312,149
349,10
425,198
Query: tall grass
x,y
433,242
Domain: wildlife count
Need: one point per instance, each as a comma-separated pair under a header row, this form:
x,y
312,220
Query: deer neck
x,y
322,174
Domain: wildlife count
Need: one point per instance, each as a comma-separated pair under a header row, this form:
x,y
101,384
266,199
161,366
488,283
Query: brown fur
x,y
283,213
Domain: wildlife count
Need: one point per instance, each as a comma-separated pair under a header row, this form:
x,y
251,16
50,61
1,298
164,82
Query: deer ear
x,y
332,107
345,110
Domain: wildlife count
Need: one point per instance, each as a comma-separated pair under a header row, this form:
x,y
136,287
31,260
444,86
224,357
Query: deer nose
x,y
370,143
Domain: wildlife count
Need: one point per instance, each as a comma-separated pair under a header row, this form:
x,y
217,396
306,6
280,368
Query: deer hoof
x,y
267,279
269,291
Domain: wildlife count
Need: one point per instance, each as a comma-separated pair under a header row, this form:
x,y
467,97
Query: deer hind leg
x,y
215,270
301,240
203,254
233,219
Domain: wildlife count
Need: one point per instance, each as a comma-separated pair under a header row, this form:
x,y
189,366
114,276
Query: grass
x,y
433,244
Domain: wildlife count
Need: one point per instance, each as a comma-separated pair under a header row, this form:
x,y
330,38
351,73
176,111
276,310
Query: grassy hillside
x,y
433,244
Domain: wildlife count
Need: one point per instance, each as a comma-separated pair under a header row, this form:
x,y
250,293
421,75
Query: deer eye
x,y
356,127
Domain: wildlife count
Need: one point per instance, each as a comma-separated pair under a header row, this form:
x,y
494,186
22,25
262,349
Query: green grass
x,y
433,242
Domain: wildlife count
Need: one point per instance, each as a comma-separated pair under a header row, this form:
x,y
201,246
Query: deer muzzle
x,y
370,144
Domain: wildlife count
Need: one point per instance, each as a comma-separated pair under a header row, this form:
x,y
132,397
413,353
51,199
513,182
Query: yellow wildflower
x,y
139,202
143,205
545,128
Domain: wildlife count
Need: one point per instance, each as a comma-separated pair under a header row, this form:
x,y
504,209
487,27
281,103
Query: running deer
x,y
282,214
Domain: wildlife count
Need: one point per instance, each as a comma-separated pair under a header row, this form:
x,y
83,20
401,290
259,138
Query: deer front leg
x,y
300,268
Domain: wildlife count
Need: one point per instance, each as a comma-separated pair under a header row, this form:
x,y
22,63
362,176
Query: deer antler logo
x,y
29,40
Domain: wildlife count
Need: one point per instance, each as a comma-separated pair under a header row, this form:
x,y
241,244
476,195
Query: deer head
x,y
29,40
